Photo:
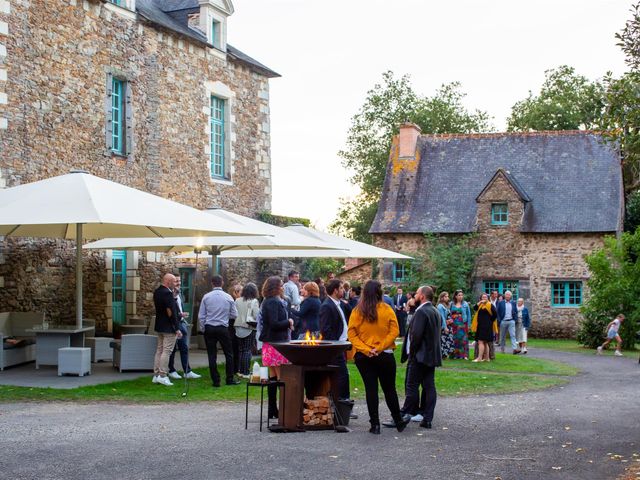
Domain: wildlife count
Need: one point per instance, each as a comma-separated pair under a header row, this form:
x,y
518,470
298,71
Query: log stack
x,y
317,412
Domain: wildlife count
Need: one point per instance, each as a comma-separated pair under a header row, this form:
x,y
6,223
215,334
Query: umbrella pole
x,y
78,275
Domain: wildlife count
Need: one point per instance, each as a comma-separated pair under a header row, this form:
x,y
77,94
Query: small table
x,y
262,386
74,360
49,340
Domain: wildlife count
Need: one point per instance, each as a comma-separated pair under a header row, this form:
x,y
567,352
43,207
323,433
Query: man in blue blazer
x,y
334,321
507,314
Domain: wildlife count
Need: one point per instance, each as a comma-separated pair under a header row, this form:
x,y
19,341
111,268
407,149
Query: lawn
x,y
507,374
572,346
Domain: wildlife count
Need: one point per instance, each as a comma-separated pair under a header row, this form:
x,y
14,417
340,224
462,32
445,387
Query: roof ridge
x,y
537,133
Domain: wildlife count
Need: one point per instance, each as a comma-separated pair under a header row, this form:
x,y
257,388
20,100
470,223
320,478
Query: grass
x,y
570,346
508,374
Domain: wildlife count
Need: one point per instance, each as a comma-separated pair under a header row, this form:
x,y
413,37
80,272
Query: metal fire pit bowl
x,y
321,354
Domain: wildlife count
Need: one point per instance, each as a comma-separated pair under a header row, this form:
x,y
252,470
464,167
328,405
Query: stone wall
x,y
58,56
357,275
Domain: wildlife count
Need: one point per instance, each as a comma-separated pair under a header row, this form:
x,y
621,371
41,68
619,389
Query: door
x,y
186,289
119,289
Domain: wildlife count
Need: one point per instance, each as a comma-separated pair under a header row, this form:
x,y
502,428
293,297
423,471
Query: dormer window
x,y
213,21
499,214
216,30
128,4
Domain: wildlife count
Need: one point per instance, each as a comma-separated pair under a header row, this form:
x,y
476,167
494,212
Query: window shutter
x,y
128,111
108,112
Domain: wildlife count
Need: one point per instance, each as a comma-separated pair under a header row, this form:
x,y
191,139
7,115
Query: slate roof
x,y
573,181
172,15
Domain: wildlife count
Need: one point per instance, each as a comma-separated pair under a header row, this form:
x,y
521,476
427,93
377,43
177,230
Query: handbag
x,y
252,322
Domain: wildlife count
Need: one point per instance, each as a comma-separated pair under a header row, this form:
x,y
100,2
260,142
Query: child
x,y
612,334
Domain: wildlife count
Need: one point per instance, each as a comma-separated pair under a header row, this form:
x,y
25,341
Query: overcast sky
x,y
330,53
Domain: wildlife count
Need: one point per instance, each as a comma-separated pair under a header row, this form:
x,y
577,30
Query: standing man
x,y
216,309
387,299
400,302
292,290
166,327
182,344
507,311
334,314
424,356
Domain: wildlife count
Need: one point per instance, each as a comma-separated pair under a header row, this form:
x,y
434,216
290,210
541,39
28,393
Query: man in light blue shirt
x,y
507,311
216,308
292,291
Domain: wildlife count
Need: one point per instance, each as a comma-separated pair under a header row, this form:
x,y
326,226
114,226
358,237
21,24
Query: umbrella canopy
x,y
343,248
79,205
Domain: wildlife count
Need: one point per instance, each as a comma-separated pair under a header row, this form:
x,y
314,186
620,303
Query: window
x,y
566,294
217,137
215,32
499,214
116,2
401,272
502,286
117,116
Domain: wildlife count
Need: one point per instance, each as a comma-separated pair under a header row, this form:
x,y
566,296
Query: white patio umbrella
x,y
79,205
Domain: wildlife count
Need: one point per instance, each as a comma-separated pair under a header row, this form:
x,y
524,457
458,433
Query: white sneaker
x,y
175,375
164,381
192,375
417,418
618,353
154,379
599,351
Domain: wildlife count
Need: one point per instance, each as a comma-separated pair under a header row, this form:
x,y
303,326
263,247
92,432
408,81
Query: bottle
x,y
255,373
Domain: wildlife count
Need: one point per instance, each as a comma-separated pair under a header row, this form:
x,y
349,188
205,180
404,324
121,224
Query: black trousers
x,y
419,374
213,335
344,392
382,369
402,322
423,394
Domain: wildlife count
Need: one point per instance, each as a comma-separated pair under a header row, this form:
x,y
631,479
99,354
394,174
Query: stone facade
x,y
56,63
357,275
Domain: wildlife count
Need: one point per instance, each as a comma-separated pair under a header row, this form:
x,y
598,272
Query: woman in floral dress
x,y
446,337
460,323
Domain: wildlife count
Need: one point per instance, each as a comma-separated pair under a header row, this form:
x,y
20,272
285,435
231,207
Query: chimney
x,y
409,133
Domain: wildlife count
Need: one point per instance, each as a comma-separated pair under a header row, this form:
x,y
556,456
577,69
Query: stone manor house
x,y
144,92
537,202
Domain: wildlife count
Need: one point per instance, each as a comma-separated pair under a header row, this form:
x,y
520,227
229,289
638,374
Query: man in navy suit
x,y
507,313
334,320
400,302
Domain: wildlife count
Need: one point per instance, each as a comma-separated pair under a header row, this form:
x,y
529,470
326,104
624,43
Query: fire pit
x,y
320,352
309,377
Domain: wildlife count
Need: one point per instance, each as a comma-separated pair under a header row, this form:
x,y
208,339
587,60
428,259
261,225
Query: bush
x,y
614,287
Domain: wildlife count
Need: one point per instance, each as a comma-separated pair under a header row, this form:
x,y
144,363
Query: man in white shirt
x,y
292,290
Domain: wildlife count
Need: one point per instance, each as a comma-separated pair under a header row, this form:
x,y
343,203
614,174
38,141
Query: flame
x,y
310,339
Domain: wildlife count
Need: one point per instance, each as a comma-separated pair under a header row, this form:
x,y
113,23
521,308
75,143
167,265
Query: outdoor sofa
x,y
134,352
14,325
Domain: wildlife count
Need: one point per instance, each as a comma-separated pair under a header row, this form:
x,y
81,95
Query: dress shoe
x,y
353,416
403,422
516,352
233,382
424,424
215,385
375,429
389,424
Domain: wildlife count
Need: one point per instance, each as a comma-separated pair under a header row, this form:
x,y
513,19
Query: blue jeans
x,y
182,345
511,326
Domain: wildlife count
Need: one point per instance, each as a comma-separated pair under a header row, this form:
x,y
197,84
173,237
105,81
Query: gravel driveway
x,y
570,432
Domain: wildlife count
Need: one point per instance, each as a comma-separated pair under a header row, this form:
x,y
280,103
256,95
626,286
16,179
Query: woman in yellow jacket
x,y
373,329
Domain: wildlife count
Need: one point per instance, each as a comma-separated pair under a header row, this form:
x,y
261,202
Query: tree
x,y
629,39
386,106
614,288
320,267
445,262
567,101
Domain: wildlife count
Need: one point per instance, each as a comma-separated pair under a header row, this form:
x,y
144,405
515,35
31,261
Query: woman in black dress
x,y
484,326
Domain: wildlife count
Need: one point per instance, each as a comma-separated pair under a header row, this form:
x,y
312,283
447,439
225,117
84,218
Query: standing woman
x,y
373,329
446,337
461,321
245,325
523,323
411,307
484,325
276,327
308,317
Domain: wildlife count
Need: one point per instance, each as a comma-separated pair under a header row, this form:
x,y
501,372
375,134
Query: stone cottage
x,y
537,202
147,93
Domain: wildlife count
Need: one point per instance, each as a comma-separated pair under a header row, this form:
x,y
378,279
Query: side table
x,y
76,360
262,386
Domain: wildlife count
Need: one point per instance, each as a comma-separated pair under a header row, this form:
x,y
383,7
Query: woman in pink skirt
x,y
276,327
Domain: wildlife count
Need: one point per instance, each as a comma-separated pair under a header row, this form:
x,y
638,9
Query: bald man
x,y
167,327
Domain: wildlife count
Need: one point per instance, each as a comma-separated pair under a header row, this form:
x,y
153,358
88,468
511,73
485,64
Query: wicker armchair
x,y
135,352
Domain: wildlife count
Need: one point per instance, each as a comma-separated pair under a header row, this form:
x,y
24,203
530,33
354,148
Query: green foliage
x,y
281,220
629,39
632,214
320,267
386,106
446,262
614,288
567,101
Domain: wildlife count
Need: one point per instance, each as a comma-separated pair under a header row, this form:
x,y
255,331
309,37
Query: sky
x,y
330,53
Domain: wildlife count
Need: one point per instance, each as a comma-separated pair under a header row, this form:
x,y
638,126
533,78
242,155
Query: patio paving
x,y
103,372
